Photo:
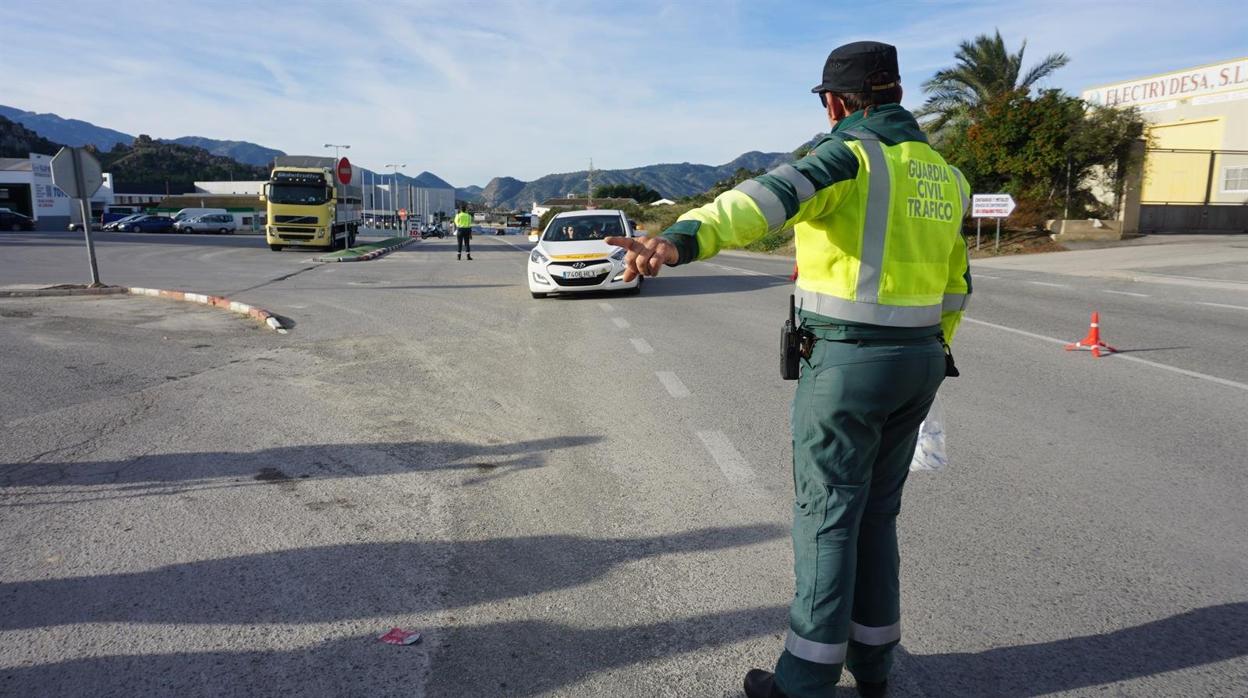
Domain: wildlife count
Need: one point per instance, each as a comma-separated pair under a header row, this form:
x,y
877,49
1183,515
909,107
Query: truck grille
x,y
307,220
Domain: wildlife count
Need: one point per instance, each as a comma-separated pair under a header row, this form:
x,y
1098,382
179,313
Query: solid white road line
x,y
607,307
730,461
1222,305
642,346
1124,357
1046,283
672,383
620,323
1126,293
982,276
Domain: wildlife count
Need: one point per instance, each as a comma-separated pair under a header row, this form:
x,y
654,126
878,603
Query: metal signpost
x,y
77,173
996,206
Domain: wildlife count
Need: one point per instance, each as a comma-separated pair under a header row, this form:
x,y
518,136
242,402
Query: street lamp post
x,y
394,188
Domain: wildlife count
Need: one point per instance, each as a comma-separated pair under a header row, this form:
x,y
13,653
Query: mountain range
x,y
672,180
77,132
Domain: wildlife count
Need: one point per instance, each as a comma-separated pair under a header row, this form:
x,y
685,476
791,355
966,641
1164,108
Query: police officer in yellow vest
x,y
877,217
463,233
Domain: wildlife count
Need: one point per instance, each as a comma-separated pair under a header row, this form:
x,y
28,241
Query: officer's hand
x,y
646,256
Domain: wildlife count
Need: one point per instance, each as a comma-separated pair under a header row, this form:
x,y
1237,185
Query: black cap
x,y
860,67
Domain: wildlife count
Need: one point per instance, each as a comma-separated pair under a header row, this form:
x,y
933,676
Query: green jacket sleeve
x,y
790,194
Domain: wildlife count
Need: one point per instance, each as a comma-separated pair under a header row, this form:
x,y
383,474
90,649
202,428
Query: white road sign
x,y
991,205
66,179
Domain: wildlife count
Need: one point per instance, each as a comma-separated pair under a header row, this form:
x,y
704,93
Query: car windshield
x,y
297,194
578,228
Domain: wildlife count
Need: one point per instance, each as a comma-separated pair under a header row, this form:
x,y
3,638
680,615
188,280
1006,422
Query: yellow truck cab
x,y
308,205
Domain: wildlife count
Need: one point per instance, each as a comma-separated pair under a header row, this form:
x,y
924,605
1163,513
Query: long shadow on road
x,y
515,658
348,582
532,657
1198,637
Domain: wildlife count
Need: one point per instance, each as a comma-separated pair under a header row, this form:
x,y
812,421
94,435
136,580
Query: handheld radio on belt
x,y
790,345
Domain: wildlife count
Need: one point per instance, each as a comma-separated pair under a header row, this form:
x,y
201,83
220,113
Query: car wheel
x,y
535,294
135,229
275,248
15,227
223,231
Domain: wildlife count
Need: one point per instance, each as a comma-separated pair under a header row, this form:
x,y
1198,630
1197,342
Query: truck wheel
x,y
275,248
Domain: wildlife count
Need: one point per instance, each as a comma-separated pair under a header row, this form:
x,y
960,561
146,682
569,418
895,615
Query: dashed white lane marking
x,y
642,346
607,307
1126,293
1123,357
747,272
673,384
730,461
982,276
1047,283
620,323
1222,305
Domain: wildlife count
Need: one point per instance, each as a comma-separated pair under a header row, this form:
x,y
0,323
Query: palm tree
x,y
985,70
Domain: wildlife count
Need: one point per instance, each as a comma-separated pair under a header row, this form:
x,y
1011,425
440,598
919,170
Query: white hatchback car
x,y
571,257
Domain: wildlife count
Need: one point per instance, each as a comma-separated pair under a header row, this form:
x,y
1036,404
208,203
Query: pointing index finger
x,y
627,243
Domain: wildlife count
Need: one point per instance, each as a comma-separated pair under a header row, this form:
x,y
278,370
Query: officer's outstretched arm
x,y
809,188
957,289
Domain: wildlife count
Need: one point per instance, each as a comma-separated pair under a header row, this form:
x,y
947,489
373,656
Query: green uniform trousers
x,y
856,417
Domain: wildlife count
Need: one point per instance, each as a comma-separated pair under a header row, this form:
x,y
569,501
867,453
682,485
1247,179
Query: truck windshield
x,y
297,194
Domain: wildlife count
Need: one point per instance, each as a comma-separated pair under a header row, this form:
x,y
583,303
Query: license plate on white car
x,y
580,274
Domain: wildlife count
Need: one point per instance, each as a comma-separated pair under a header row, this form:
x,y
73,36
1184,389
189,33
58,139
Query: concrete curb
x,y
268,319
371,255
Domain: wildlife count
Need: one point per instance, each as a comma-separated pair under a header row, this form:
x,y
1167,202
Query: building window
x,y
1235,179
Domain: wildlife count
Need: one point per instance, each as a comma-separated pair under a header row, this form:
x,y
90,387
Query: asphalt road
x,y
585,496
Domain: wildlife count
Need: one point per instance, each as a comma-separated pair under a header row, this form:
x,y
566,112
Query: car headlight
x,y
537,257
619,254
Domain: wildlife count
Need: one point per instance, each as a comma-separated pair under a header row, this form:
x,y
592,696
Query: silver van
x,y
209,223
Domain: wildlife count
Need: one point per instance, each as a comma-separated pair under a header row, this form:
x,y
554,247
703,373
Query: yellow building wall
x,y
1180,177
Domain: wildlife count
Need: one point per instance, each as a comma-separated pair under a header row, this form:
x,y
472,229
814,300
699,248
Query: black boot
x,y
761,684
469,256
873,689
459,256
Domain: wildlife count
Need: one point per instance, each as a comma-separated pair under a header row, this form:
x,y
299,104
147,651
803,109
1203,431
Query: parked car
x,y
120,223
12,220
189,213
571,256
150,224
211,223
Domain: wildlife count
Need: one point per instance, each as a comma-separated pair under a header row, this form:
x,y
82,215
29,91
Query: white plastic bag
x,y
929,452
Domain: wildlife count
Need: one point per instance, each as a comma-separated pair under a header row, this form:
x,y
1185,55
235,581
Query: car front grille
x,y
583,262
591,281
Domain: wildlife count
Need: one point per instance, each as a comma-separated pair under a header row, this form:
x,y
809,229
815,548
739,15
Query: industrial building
x,y
1195,173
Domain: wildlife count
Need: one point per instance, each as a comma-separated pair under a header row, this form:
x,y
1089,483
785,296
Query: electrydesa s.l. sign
x,y
1181,84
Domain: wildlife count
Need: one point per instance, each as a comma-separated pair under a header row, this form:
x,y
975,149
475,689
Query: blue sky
x,y
471,90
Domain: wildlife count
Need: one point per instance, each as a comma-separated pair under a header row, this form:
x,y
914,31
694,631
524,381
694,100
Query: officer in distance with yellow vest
x,y
463,234
877,217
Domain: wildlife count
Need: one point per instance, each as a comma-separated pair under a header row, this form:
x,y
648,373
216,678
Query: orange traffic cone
x,y
1093,340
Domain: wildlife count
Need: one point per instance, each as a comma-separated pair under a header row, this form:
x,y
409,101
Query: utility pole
x,y
394,186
